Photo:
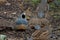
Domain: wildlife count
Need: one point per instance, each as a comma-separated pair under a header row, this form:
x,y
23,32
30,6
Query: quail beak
x,y
28,18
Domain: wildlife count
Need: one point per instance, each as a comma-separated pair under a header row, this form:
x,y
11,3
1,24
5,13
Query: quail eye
x,y
23,16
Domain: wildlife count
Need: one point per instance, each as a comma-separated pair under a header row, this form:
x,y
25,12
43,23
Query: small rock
x,y
53,36
5,12
3,37
37,27
14,13
29,38
8,3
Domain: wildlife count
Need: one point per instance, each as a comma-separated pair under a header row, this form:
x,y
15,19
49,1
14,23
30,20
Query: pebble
x,y
37,27
5,12
14,13
3,37
8,4
29,38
